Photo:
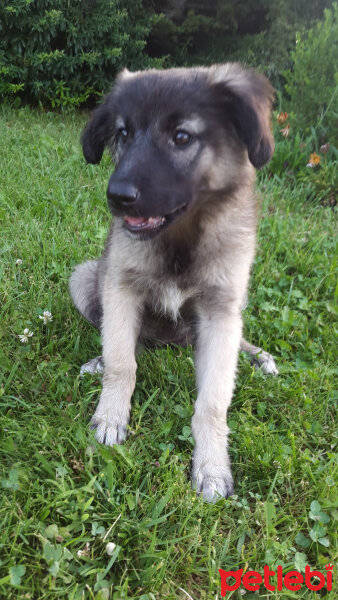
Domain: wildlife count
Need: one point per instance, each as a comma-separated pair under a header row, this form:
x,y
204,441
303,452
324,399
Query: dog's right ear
x,y
97,133
247,99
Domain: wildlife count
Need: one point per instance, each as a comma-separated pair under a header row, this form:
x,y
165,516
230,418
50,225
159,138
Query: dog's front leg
x,y
216,359
120,330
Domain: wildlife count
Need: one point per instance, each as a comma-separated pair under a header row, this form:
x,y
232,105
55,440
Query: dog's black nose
x,y
122,192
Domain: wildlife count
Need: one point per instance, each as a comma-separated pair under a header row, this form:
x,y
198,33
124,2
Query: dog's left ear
x,y
247,98
97,133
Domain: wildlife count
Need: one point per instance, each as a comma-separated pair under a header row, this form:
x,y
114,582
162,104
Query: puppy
x,y
177,260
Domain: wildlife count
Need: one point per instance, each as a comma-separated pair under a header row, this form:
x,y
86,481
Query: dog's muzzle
x,y
122,200
121,194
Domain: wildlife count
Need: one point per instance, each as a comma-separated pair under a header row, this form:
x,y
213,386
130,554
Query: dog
x,y
176,264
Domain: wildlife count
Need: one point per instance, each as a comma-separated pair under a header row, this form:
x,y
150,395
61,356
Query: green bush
x,y
62,53
312,82
306,138
304,160
260,34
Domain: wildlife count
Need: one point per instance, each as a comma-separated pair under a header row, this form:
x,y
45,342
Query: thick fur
x,y
186,281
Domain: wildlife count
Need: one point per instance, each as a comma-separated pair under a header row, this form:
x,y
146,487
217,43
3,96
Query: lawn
x,y
63,496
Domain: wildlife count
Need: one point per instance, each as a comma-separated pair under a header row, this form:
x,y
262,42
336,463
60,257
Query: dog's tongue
x,y
135,221
142,222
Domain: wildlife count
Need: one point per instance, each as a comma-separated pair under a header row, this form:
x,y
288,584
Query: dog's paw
x,y
110,420
92,366
108,432
266,363
213,482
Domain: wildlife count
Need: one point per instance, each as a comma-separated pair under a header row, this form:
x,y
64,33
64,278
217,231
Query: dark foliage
x,y
260,32
62,53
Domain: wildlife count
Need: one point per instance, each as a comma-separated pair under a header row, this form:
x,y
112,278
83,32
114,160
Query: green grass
x,y
62,493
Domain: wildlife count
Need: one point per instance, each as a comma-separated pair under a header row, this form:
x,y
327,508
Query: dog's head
x,y
176,135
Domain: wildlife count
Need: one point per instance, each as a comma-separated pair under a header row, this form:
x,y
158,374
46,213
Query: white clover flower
x,y
46,317
110,547
84,552
18,261
25,336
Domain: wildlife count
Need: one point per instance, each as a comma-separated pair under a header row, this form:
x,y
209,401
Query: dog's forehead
x,y
147,97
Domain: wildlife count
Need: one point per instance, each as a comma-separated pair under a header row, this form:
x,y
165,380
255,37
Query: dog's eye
x,y
181,138
123,134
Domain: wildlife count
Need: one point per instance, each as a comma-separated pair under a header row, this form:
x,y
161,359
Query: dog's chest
x,y
167,298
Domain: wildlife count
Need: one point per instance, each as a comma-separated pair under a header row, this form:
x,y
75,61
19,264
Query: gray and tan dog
x,y
177,260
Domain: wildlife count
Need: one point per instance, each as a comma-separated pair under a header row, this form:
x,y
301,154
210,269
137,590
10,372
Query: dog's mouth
x,y
148,226
143,224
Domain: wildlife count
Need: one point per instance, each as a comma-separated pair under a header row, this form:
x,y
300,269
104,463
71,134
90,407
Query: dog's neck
x,y
179,243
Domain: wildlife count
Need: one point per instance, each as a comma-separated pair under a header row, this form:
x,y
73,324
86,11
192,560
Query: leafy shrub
x,y
290,156
312,82
63,53
260,33
305,160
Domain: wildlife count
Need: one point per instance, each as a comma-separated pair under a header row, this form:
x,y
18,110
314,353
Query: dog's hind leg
x,y
159,330
260,359
85,292
93,366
